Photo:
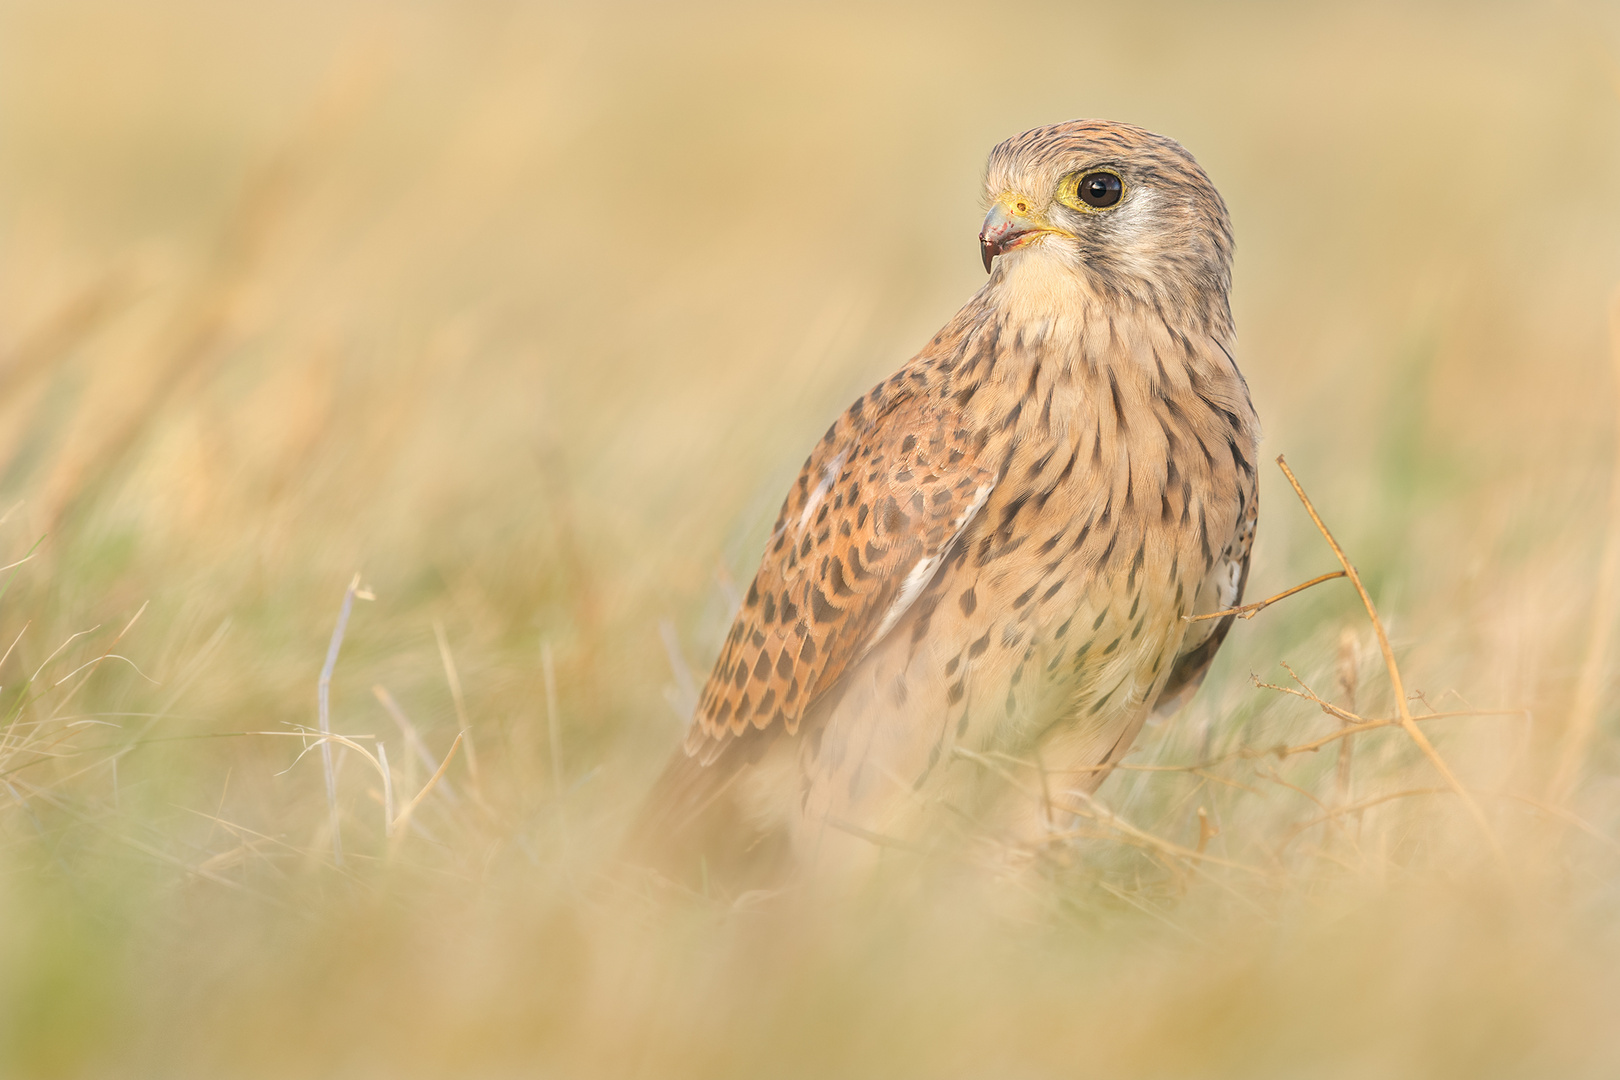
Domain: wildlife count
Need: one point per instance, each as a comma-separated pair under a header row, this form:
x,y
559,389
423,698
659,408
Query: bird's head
x,y
1128,211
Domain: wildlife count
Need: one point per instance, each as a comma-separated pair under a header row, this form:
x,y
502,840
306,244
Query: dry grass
x,y
525,315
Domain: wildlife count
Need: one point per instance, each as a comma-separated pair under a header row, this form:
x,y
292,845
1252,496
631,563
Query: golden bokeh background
x,y
527,314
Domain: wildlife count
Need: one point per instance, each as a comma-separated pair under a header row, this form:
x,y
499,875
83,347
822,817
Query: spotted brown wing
x,y
865,527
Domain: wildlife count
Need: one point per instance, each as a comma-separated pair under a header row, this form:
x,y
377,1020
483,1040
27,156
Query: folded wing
x,y
865,528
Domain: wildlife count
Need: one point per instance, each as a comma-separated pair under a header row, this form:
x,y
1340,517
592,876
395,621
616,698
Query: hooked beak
x,y
1010,223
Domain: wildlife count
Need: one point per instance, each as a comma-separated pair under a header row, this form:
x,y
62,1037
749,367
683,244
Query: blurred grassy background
x,y
528,314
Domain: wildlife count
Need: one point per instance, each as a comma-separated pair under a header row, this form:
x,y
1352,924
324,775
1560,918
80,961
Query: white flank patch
x,y
1229,589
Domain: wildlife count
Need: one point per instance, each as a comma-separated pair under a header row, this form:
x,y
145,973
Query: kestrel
x,y
995,550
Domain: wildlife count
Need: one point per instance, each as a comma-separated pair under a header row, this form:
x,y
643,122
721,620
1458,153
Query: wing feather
x,y
863,530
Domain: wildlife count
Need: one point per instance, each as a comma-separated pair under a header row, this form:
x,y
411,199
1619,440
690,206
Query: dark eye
x,y
1100,189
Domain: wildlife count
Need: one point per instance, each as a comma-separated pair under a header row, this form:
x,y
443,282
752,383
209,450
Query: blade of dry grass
x,y
1090,807
93,665
453,677
388,789
323,697
1348,669
404,817
413,741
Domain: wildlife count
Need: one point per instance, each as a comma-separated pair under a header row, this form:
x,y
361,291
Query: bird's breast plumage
x,y
1124,460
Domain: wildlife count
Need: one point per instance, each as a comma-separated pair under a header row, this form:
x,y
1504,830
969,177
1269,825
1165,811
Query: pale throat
x,y
1058,339
1047,309
1040,291
1043,294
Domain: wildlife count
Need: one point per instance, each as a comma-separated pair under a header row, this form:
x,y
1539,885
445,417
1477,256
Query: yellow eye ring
x,y
1093,190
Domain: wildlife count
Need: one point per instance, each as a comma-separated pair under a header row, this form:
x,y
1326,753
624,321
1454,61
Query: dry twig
x,y
1249,611
1399,688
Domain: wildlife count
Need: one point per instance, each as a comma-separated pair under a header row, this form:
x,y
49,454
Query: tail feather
x,y
694,827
